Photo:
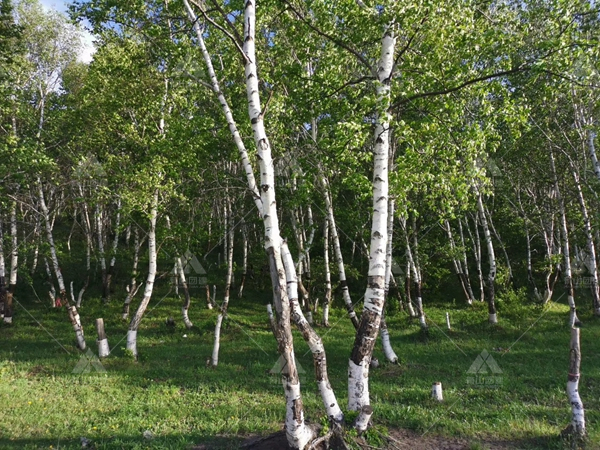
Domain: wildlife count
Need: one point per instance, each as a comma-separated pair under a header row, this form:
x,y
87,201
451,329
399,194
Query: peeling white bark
x,y
137,318
577,410
358,364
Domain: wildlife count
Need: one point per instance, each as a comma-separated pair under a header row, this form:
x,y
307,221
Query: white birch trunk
x,y
226,110
14,263
338,253
186,293
465,261
577,410
358,365
591,257
101,255
492,314
133,287
327,302
71,310
2,272
390,355
592,150
570,290
297,432
102,341
312,339
137,318
223,309
244,260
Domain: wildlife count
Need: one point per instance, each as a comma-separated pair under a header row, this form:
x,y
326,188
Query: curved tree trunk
x,y
137,318
186,294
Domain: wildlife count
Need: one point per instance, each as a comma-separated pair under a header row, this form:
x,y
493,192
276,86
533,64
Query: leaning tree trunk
x,y
385,334
413,267
14,263
492,315
591,257
457,264
137,318
223,309
360,359
477,253
338,253
312,339
71,310
298,433
186,294
465,261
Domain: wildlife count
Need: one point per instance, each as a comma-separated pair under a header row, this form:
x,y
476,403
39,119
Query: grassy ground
x,y
171,393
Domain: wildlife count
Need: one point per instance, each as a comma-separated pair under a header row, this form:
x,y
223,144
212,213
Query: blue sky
x,y
88,49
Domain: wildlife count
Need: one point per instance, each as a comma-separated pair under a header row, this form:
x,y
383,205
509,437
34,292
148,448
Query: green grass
x,y
171,392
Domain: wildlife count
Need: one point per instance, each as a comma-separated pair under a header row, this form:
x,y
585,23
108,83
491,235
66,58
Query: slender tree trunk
x,y
385,335
591,256
358,365
137,318
592,150
71,309
101,254
493,317
14,263
477,253
113,259
327,302
244,259
133,287
223,309
569,288
415,269
465,261
186,294
312,339
502,246
578,413
457,264
2,272
338,253
256,196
